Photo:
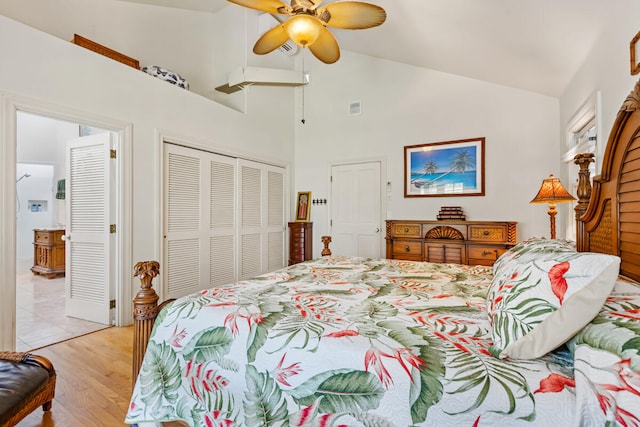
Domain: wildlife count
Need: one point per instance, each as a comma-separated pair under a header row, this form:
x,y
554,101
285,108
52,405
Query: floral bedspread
x,y
358,342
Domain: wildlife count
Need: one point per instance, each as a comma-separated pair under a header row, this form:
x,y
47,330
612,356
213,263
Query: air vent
x,y
288,48
355,108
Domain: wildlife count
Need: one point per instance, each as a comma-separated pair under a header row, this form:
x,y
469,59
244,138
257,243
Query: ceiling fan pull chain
x,y
303,84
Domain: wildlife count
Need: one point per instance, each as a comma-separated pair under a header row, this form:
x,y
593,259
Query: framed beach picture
x,y
303,206
440,169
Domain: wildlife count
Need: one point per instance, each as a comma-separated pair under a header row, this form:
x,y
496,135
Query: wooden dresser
x,y
300,241
454,241
48,252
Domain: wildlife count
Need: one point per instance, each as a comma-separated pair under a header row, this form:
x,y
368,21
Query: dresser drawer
x,y
454,241
405,249
298,247
484,255
43,237
300,241
406,230
450,253
488,233
46,236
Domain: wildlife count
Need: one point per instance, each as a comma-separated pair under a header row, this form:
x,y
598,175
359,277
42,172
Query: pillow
x,y
531,248
543,293
166,75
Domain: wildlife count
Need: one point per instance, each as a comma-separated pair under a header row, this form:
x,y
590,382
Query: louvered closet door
x,y
276,222
199,226
222,214
262,218
87,234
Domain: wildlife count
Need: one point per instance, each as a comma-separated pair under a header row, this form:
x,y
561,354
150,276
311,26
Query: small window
x,y
582,137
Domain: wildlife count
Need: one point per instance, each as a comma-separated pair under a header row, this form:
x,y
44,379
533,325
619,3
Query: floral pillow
x,y
542,295
531,249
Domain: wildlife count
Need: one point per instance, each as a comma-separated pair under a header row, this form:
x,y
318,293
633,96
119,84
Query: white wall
x,y
201,47
404,105
50,70
175,39
606,70
40,153
36,187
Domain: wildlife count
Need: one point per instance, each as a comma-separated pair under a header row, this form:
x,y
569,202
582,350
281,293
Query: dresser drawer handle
x,y
407,249
406,230
485,232
495,251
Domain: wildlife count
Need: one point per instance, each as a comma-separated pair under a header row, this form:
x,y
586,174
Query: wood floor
x,y
93,384
94,380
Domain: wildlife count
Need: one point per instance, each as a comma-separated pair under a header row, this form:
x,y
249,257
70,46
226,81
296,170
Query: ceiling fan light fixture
x,y
303,29
308,24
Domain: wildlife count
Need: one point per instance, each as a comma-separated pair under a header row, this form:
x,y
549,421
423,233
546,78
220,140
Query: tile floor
x,y
40,318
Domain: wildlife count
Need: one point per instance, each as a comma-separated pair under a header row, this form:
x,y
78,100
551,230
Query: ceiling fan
x,y
307,24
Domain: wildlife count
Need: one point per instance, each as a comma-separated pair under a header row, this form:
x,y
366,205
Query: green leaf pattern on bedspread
x,y
352,342
607,357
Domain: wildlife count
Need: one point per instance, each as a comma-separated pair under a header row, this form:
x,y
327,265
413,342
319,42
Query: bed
x,y
549,335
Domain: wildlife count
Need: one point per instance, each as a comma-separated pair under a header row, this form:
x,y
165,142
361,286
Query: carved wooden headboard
x,y
611,221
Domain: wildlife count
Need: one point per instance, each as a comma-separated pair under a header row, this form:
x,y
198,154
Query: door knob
x,y
65,237
377,230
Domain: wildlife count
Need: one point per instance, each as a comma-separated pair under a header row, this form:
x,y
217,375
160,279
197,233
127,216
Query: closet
x,y
224,219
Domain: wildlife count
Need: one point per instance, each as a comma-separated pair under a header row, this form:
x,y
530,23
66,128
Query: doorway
x,y
45,288
356,209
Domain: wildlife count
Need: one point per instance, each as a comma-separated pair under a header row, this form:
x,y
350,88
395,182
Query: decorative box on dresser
x,y
453,241
48,252
300,241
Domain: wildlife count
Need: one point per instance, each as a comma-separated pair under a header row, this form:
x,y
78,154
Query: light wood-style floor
x,y
93,387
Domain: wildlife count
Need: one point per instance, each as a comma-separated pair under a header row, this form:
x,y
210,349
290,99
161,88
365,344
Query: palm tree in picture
x,y
460,162
430,167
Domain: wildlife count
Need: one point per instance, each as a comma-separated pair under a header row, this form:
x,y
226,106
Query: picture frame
x,y
445,169
303,206
634,54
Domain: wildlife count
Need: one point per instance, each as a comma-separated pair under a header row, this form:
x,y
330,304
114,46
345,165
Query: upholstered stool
x,y
26,382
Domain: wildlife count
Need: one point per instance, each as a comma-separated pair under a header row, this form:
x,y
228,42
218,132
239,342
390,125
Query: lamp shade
x,y
552,191
303,29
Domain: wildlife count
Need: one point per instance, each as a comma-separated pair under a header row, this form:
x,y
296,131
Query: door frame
x,y
385,187
10,104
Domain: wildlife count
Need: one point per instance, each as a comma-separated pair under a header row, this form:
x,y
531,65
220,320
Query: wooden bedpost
x,y
145,310
583,160
326,240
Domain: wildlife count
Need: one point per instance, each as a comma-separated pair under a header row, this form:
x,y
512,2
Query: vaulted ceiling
x,y
535,45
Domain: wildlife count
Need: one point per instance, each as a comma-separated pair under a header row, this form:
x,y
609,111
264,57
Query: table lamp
x,y
552,192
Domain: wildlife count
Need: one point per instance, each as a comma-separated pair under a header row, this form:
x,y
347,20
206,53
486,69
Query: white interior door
x,y
356,210
88,238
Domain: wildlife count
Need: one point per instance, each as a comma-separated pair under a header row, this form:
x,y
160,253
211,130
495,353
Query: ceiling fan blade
x,y
353,15
326,48
271,40
269,6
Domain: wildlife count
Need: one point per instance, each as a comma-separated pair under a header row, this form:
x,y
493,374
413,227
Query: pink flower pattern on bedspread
x,y
358,342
